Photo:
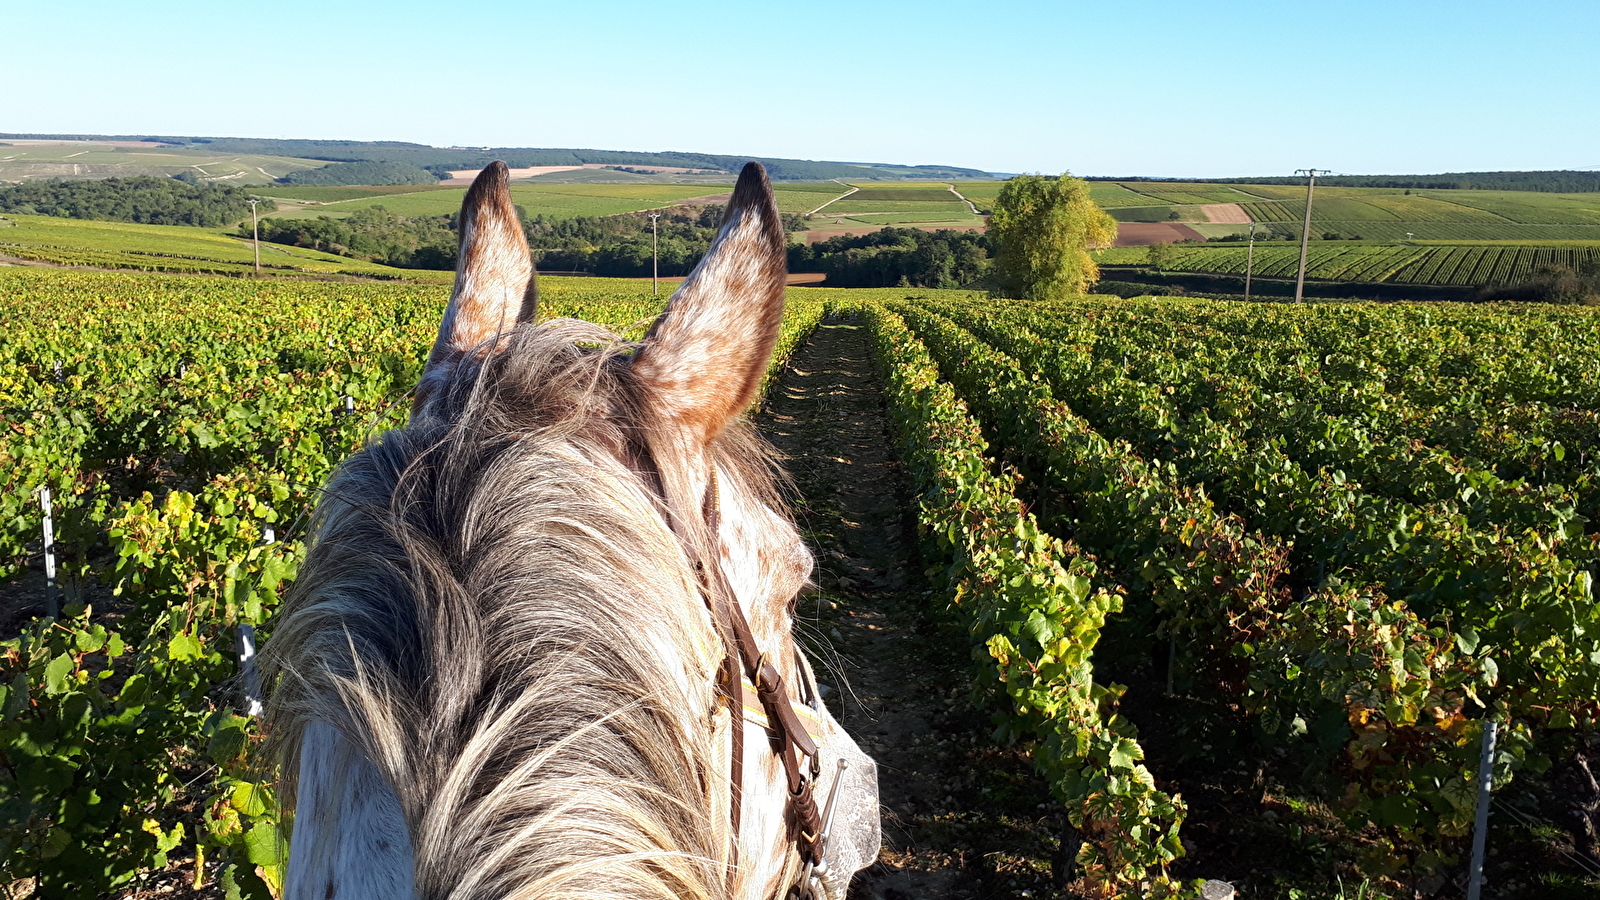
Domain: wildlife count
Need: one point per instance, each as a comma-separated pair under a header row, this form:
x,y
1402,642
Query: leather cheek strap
x,y
789,732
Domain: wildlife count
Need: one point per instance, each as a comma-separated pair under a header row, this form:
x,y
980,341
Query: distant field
x,y
83,160
170,248
1470,265
1157,213
330,193
804,201
948,206
812,187
1370,213
921,204
561,201
916,194
1188,193
901,218
979,191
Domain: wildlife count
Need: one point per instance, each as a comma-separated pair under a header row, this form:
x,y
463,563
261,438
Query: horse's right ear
x,y
704,358
495,283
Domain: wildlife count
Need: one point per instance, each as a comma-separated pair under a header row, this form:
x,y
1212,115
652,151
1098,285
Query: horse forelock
x,y
499,608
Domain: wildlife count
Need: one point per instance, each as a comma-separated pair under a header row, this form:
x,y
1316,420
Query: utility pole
x,y
255,230
655,257
1305,231
1249,261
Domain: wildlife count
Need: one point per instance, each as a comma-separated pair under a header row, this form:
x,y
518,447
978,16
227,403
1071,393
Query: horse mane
x,y
499,608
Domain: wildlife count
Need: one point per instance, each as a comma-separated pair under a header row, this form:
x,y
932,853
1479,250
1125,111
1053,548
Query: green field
x,y
947,206
558,201
800,202
1157,213
1188,193
978,191
173,248
921,204
329,193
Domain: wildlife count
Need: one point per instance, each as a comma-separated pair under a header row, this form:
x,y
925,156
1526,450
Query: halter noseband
x,y
747,671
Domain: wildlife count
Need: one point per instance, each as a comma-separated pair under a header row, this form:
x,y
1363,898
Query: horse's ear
x,y
704,358
495,282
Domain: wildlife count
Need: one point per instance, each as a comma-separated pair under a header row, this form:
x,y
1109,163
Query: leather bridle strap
x,y
791,737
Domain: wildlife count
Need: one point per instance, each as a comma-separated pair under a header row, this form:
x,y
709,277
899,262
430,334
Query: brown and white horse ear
x,y
495,283
704,358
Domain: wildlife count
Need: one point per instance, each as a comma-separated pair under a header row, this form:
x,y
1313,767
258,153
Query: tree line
x,y
144,199
373,234
891,257
364,172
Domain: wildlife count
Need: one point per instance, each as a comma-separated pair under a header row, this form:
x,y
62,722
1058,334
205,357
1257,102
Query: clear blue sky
x,y
1149,87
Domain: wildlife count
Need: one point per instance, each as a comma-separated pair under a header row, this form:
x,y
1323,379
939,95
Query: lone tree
x,y
1043,229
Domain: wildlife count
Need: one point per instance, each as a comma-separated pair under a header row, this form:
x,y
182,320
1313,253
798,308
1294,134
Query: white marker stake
x,y
246,643
51,607
247,668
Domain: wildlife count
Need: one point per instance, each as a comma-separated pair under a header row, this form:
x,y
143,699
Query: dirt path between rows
x,y
962,818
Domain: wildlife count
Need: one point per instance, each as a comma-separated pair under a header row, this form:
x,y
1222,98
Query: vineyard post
x,y
1480,825
655,257
255,230
1305,230
1249,260
52,608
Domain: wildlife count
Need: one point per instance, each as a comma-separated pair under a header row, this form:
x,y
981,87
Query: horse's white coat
x,y
350,840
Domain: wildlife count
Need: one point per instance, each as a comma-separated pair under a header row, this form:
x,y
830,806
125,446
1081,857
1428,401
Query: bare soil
x,y
1143,234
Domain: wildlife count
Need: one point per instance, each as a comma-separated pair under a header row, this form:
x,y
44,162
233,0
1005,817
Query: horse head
x,y
541,643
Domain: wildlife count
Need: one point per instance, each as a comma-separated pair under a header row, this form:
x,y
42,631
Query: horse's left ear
x,y
704,358
495,283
